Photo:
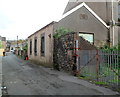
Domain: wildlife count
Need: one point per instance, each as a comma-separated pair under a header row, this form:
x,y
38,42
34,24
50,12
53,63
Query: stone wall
x,y
63,51
66,50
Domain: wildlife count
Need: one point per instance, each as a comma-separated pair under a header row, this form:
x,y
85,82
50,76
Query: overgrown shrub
x,y
61,31
25,47
108,49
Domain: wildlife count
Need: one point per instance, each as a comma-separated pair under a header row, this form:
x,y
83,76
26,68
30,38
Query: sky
x,y
23,17
88,37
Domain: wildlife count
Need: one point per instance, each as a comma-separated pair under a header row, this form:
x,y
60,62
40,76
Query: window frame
x,y
35,46
30,47
90,34
42,44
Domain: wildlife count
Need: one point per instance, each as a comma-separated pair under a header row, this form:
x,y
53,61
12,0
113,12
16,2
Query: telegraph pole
x,y
17,46
17,41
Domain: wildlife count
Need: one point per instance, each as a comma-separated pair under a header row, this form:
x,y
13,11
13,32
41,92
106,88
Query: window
x,y
119,12
30,47
42,44
35,46
88,36
50,47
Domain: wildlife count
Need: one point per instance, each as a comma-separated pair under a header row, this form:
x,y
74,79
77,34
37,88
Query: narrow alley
x,y
22,77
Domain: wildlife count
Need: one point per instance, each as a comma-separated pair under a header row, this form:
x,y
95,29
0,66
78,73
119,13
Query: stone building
x,y
3,42
93,18
94,21
2,45
8,46
40,45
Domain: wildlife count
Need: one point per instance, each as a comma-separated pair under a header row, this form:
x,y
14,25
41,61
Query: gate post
x,y
76,47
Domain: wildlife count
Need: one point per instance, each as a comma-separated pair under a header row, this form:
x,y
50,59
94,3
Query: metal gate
x,y
100,66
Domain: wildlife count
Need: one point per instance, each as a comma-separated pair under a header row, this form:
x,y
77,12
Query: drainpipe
x,y
113,23
107,13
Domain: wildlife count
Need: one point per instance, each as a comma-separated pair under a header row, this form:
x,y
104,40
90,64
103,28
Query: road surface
x,y
21,77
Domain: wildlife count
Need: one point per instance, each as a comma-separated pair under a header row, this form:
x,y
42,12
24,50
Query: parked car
x,y
12,51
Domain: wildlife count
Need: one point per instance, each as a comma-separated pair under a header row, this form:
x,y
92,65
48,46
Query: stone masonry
x,y
65,50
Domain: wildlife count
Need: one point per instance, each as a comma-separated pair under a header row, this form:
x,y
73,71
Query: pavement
x,y
67,77
25,78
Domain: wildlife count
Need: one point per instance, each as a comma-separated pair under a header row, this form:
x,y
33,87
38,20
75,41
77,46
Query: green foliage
x,y
1,45
83,77
56,66
25,47
119,46
107,48
100,83
61,31
114,80
114,48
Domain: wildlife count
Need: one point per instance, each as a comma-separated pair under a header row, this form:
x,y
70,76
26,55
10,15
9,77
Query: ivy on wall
x,y
61,31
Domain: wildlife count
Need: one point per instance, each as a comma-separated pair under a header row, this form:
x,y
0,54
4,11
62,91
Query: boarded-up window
x,y
42,44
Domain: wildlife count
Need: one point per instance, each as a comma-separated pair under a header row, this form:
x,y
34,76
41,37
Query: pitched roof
x,y
89,9
41,28
70,6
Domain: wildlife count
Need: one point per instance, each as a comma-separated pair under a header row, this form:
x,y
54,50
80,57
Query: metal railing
x,y
100,66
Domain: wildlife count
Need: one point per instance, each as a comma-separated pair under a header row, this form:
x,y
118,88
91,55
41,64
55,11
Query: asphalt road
x,y
22,77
